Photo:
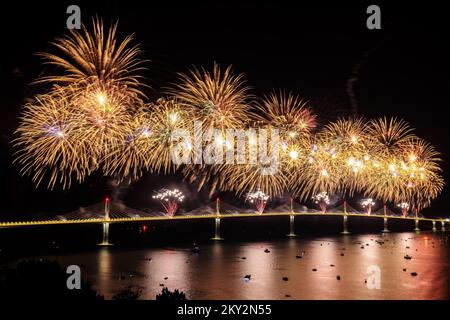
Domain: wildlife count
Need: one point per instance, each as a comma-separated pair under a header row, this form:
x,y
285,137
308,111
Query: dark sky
x,y
310,49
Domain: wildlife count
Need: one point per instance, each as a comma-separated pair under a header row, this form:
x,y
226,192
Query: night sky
x,y
403,70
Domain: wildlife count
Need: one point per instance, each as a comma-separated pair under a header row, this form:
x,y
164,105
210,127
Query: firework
x,y
405,208
169,200
412,175
100,76
239,178
421,171
106,116
259,199
95,57
129,159
368,203
254,164
290,115
218,99
260,170
320,170
73,130
402,166
50,142
167,117
149,143
286,112
388,140
389,136
322,199
353,156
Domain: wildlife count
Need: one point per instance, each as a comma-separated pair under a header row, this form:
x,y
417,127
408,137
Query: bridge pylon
x,y
291,227
105,238
416,228
217,230
385,225
217,222
345,225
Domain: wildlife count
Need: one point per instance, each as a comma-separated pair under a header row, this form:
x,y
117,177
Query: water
x,y
218,271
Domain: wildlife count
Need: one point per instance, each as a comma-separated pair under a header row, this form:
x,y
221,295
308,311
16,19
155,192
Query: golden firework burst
x,y
286,112
95,56
350,147
219,99
50,142
94,98
389,136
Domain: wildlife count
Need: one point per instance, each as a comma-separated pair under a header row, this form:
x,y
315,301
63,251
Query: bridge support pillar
x,y
345,231
105,241
385,225
434,225
442,225
217,230
417,225
291,226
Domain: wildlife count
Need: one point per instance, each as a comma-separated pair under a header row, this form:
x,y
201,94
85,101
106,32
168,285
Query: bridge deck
x,y
200,216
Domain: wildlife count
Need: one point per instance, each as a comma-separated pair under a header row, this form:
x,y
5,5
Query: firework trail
x,y
169,200
258,199
368,204
323,200
350,86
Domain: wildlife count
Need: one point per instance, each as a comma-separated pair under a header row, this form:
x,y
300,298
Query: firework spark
x,y
368,204
50,142
350,147
259,199
286,112
389,136
323,200
169,200
95,57
320,170
73,129
218,99
412,174
405,208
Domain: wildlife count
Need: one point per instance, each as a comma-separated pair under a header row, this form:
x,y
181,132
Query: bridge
x,y
106,213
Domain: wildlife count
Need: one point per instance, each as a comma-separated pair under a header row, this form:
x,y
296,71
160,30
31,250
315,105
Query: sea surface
x,y
330,267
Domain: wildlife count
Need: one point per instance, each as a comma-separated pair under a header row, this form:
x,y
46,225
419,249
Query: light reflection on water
x,y
218,271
